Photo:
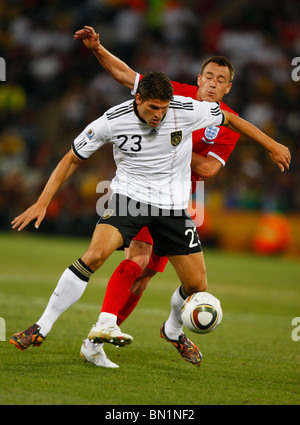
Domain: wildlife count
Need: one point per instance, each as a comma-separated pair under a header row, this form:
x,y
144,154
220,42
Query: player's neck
x,y
135,108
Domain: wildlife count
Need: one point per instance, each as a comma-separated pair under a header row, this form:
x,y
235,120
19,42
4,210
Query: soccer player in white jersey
x,y
144,158
211,149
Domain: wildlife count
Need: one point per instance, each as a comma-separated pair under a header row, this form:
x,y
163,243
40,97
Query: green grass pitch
x,y
250,359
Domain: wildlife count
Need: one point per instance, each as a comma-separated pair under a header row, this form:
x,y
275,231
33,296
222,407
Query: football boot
x,y
96,355
186,348
25,339
111,334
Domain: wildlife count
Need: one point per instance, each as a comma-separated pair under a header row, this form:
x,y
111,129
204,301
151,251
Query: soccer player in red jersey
x,y
211,149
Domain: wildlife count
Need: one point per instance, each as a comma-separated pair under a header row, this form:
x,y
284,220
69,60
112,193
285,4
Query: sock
x,y
174,325
128,307
69,289
106,319
118,287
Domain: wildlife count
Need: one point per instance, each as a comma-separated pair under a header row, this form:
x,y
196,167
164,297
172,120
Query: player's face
x,y
214,83
152,111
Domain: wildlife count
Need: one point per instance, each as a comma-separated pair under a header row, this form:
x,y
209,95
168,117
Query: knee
x,y
140,252
142,260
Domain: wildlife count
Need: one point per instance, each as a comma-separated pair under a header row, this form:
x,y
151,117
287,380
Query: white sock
x,y
68,290
106,319
174,325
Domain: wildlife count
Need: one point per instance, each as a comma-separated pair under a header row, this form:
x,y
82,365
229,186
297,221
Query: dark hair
x,y
221,61
155,85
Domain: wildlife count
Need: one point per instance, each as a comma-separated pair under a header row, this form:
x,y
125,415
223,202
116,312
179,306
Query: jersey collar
x,y
140,118
136,112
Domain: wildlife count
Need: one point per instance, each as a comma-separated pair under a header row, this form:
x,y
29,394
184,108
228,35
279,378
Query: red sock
x,y
128,307
118,287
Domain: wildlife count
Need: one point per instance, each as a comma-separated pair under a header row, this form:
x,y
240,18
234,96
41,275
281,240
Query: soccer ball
x,y
201,312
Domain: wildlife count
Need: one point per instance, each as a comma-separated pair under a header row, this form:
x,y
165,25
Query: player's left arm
x,y
279,153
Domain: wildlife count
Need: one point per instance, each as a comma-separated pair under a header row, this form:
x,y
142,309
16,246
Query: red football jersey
x,y
216,141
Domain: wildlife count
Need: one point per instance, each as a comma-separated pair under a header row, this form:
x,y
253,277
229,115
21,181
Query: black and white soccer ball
x,y
201,312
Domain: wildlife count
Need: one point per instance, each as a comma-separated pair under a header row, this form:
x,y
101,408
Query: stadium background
x,y
54,87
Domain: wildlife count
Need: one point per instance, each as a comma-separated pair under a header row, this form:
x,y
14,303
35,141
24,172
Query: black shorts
x,y
173,231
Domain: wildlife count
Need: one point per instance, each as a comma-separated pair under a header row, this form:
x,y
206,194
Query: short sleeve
x,y
92,138
138,78
207,114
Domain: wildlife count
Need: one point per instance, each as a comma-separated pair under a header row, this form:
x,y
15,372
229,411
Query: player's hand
x,y
34,212
281,156
89,37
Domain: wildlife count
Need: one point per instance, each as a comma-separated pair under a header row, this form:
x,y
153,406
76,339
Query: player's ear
x,y
199,79
138,99
228,88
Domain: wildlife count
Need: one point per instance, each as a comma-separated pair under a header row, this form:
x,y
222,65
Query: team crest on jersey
x,y
211,133
176,138
107,213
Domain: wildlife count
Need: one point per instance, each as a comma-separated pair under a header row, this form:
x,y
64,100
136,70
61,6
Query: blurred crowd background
x,y
54,87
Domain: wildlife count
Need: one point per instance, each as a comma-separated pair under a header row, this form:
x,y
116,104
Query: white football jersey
x,y
153,163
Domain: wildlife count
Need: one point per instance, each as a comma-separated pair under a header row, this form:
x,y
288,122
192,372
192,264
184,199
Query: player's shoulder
x,y
227,108
182,102
118,111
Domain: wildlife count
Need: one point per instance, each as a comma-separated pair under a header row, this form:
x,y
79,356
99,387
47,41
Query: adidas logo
x,y
153,132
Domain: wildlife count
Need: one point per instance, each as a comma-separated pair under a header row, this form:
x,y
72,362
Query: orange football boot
x,y
186,348
25,339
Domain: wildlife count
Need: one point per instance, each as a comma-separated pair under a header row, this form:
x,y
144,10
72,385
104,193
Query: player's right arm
x,y
118,69
62,172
